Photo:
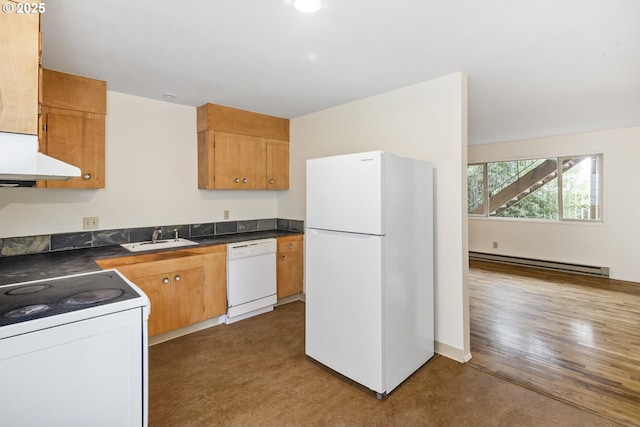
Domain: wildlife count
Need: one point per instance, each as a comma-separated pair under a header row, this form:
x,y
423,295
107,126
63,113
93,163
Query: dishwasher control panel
x,y
251,248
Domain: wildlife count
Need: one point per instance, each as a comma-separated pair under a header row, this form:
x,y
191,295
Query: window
x,y
475,188
556,188
581,189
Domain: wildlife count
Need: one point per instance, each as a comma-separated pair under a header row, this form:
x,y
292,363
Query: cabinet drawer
x,y
290,246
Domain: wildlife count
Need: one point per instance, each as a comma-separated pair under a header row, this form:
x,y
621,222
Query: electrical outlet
x,y
226,214
495,245
90,222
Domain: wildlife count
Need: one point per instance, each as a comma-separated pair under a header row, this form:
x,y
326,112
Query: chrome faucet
x,y
156,233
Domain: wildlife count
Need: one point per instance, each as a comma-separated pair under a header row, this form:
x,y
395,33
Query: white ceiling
x,y
535,67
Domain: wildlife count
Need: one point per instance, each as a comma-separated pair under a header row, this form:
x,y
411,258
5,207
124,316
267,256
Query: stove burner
x,y
29,289
92,296
49,298
28,310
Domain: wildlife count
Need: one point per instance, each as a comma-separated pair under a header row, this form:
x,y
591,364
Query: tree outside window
x,y
564,188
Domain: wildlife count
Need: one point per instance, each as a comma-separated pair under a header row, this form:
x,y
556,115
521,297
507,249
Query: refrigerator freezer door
x,y
344,193
344,314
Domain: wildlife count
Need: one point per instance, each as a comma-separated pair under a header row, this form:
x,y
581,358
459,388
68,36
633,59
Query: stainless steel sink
x,y
158,244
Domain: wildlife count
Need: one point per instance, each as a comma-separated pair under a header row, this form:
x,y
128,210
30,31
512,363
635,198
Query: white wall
x,y
151,179
425,121
151,168
612,243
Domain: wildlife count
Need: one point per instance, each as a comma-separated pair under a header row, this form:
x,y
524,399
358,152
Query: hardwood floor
x,y
575,338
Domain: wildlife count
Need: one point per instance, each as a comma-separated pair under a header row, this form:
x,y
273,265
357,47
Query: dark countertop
x,y
23,268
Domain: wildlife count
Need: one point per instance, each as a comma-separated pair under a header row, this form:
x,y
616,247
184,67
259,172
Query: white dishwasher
x,y
251,278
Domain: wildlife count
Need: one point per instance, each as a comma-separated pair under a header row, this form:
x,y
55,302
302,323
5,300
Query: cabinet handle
x,y
177,278
283,257
86,176
237,180
245,180
271,181
165,280
290,245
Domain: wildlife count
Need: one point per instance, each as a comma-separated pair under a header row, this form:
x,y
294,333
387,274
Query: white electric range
x,y
73,352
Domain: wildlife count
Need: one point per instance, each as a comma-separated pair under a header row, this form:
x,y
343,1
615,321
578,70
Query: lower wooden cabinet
x,y
184,286
215,274
289,267
177,299
188,286
160,298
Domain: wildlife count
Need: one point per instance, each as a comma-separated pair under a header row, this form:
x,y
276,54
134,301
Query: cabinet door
x,y
240,161
158,289
19,68
277,164
77,138
289,266
215,287
187,297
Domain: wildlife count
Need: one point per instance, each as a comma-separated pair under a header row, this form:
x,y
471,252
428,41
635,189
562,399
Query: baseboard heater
x,y
536,263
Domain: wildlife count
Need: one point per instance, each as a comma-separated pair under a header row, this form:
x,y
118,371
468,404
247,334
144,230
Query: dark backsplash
x,y
10,246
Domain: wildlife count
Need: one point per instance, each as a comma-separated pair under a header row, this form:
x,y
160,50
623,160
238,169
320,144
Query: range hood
x,y
21,161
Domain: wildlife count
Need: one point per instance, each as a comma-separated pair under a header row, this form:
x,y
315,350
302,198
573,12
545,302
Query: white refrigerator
x,y
369,266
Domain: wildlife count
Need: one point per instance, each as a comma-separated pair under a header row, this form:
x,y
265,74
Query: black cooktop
x,y
44,298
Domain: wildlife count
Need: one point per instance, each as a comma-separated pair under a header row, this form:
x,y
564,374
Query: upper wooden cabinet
x,y
233,120
73,126
277,164
72,92
241,150
19,71
231,161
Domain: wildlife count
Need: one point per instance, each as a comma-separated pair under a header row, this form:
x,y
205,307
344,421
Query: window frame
x,y
560,172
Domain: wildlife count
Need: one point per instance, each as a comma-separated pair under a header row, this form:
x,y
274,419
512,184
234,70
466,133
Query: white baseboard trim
x,y
187,330
590,270
451,352
291,298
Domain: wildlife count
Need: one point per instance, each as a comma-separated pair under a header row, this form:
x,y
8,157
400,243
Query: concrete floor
x,y
255,373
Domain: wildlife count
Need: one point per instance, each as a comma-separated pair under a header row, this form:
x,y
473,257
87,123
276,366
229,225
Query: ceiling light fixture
x,y
307,6
168,96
